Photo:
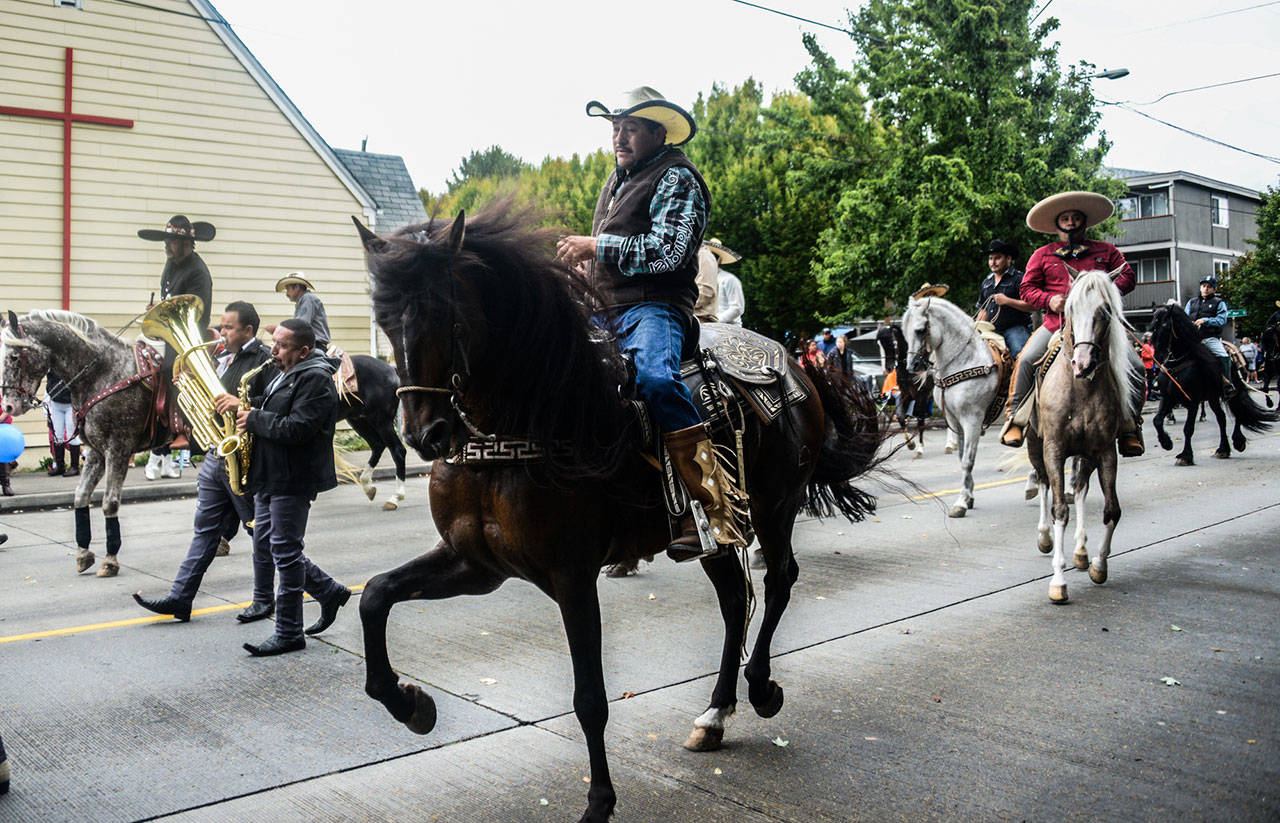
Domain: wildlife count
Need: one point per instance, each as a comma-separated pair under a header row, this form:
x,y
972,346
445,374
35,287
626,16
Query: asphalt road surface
x,y
927,676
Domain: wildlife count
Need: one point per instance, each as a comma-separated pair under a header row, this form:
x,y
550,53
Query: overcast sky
x,y
434,81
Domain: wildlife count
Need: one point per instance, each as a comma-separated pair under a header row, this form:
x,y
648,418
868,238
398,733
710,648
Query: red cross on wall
x,y
67,116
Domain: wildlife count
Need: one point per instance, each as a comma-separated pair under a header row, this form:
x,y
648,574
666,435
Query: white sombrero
x,y
649,104
723,252
294,278
1043,216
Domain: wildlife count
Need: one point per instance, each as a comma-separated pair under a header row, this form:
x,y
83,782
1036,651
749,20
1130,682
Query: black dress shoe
x,y
257,611
275,645
329,611
180,609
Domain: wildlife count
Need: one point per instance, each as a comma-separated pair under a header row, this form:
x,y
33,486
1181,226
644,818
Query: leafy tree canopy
x,y
1253,282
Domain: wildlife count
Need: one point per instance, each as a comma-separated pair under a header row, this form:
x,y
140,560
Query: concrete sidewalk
x,y
34,491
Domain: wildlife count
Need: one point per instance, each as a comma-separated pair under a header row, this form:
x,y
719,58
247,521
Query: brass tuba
x,y
177,322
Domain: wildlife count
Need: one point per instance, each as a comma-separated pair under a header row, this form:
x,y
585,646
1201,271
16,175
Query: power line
x,y
1200,88
871,37
1128,108
1203,17
1042,8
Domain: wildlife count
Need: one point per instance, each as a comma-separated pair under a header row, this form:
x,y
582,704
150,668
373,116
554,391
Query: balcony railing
x,y
1145,295
1146,230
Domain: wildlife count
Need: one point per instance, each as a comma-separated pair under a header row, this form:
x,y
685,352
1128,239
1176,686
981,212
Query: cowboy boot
x,y
154,464
694,460
59,460
74,468
170,467
1228,388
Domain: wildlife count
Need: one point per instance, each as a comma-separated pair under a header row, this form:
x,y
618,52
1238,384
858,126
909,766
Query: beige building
x,y
167,113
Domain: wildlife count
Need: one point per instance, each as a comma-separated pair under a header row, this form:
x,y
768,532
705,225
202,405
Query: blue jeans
x,y
1015,337
653,334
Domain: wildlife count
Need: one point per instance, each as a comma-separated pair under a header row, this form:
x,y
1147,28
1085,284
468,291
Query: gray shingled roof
x,y
387,181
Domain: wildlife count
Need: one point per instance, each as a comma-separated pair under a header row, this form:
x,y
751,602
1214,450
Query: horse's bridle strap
x,y
966,374
403,390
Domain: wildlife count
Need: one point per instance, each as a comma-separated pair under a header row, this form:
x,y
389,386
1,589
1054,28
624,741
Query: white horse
x,y
942,343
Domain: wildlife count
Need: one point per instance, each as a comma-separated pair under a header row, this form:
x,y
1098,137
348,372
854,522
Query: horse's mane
x,y
83,327
1089,290
1182,328
542,371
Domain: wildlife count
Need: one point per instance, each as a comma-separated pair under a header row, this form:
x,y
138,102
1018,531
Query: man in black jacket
x,y
216,504
292,462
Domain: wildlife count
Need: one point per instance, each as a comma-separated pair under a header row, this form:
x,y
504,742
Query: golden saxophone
x,y
246,440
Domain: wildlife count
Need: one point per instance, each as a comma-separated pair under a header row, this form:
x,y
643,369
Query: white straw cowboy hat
x,y
723,252
1043,216
649,104
294,278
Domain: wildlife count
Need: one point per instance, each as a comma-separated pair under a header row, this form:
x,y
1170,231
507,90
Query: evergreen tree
x,y
1253,282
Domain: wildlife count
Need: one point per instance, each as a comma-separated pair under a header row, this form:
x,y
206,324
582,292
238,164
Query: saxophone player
x,y
216,503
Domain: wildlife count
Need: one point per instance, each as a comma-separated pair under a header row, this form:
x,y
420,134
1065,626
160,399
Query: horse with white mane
x,y
1088,394
943,344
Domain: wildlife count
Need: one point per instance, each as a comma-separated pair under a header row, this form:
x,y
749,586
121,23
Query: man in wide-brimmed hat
x,y
999,297
306,306
184,273
1046,283
730,300
642,258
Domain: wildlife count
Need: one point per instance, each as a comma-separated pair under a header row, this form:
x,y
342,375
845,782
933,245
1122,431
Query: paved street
x,y
927,675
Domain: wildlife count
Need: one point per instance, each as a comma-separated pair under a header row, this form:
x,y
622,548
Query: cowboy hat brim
x,y
725,254
678,122
201,232
294,280
931,290
1043,216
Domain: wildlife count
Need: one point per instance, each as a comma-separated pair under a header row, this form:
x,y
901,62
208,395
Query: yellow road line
x,y
133,621
992,484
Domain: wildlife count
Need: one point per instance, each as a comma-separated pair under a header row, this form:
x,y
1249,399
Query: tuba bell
x,y
176,321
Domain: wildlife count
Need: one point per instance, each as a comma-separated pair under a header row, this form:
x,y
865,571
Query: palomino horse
x,y
944,345
1090,390
451,299
106,387
1189,375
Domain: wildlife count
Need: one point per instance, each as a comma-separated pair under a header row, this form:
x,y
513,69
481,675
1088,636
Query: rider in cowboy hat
x,y
642,259
729,299
184,273
1209,311
999,298
1046,283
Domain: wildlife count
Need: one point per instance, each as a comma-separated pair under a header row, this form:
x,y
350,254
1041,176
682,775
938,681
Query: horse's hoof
x,y
1081,559
773,705
1183,461
423,719
109,567
704,740
84,559
957,511
911,445
390,506
1221,455
1098,575
948,449
1239,444
370,492
1058,594
1044,543
969,504
919,453
757,559
1031,493
620,570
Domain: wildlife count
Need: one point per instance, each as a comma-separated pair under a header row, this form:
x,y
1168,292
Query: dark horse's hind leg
x,y
727,576
1224,448
579,603
381,435
438,574
782,570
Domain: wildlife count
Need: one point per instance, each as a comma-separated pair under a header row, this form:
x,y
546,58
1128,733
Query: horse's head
x,y
23,364
415,303
1093,306
918,334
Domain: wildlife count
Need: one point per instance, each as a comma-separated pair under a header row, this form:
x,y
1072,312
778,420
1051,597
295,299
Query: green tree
x,y
977,122
1253,282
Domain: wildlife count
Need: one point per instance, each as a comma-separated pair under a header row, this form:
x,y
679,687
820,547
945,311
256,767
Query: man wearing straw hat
x,y
308,308
1046,283
184,273
730,302
642,258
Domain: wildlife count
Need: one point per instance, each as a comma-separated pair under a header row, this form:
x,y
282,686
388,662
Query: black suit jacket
x,y
293,432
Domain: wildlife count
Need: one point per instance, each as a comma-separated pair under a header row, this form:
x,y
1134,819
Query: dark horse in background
x,y
1188,375
1270,360
915,399
372,412
450,298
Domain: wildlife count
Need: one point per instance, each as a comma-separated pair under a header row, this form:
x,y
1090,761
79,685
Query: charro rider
x,y
1046,283
642,259
308,307
999,298
1209,311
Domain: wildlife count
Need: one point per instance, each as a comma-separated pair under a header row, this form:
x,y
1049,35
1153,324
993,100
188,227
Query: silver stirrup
x,y
703,524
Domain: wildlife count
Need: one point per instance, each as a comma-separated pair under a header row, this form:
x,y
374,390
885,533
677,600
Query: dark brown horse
x,y
451,299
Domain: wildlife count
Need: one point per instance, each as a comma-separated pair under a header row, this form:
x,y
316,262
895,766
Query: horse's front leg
x,y
1061,513
438,574
968,456
1186,457
94,466
726,575
1110,515
579,603
1166,406
920,437
1224,447
1080,480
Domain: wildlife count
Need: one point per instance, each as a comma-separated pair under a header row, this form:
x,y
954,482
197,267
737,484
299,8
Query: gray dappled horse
x,y
1090,390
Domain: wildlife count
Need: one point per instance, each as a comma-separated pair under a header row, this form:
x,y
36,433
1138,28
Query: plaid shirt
x,y
678,216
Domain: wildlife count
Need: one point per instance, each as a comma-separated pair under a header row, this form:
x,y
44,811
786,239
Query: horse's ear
x,y
372,242
458,231
14,328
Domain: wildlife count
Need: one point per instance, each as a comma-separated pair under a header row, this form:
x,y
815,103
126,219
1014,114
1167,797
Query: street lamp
x,y
1109,74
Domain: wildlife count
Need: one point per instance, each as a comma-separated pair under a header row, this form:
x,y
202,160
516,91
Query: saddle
x,y
1237,359
163,421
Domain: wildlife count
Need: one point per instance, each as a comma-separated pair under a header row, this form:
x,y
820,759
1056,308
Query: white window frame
x,y
1222,206
1220,267
69,4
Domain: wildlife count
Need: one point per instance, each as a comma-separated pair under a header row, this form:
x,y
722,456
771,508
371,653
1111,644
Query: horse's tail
x,y
1248,413
849,448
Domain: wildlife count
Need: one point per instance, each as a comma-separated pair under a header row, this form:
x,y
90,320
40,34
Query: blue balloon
x,y
11,442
